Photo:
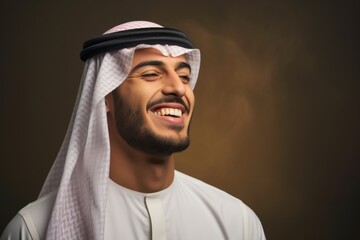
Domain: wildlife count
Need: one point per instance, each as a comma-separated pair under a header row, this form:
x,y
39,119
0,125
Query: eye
x,y
150,75
184,78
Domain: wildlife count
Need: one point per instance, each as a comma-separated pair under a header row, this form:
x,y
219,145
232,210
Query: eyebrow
x,y
183,65
160,64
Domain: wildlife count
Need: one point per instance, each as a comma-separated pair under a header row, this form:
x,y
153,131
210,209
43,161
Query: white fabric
x,y
31,222
154,205
81,169
187,209
16,230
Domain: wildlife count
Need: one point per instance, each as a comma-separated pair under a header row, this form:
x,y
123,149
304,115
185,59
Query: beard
x,y
130,124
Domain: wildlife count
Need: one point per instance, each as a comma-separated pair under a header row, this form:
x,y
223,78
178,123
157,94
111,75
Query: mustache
x,y
168,99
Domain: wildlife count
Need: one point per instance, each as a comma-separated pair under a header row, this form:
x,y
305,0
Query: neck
x,y
139,171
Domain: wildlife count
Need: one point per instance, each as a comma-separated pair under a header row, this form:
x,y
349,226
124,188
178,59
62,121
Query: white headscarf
x,y
80,172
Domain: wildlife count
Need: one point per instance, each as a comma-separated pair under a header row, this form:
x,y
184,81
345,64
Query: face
x,y
154,105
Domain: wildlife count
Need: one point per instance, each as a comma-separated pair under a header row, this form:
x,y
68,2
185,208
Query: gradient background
x,y
277,115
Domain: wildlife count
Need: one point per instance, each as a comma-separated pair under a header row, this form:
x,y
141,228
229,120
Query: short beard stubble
x,y
130,125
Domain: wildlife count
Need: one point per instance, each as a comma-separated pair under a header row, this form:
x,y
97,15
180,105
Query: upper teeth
x,y
169,111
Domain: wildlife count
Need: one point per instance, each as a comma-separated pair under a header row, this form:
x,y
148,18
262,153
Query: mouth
x,y
168,106
171,112
175,110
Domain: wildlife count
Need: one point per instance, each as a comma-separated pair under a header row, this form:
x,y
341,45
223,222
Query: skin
x,y
154,78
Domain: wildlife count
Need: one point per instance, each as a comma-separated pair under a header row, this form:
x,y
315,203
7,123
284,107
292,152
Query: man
x,y
114,176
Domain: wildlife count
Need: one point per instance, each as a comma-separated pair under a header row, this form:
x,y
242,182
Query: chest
x,y
170,216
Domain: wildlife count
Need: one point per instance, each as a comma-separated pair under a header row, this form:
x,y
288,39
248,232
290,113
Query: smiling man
x,y
114,177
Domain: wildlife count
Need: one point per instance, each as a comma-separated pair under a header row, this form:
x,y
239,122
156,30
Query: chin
x,y
158,145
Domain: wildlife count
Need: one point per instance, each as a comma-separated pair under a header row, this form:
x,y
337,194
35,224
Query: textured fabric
x,y
81,169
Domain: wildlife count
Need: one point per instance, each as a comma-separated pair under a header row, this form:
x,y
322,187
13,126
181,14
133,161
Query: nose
x,y
173,85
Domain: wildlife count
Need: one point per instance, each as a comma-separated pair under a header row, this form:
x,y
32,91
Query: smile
x,y
170,109
172,112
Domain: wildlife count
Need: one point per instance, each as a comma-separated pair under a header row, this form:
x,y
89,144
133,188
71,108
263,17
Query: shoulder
x,y
31,221
237,217
206,190
16,229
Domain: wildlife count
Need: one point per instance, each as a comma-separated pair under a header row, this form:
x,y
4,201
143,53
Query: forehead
x,y
149,54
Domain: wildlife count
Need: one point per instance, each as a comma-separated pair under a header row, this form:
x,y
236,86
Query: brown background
x,y
277,117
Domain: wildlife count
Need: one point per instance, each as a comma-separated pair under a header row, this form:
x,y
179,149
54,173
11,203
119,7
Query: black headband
x,y
132,38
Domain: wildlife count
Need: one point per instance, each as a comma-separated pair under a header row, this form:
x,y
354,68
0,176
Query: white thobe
x,y
188,209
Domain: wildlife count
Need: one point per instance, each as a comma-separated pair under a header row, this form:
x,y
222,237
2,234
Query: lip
x,y
178,121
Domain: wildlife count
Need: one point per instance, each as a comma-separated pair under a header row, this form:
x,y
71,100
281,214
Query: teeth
x,y
177,112
169,112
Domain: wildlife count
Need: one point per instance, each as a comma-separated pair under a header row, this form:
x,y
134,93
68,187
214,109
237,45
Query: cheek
x,y
190,98
137,99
